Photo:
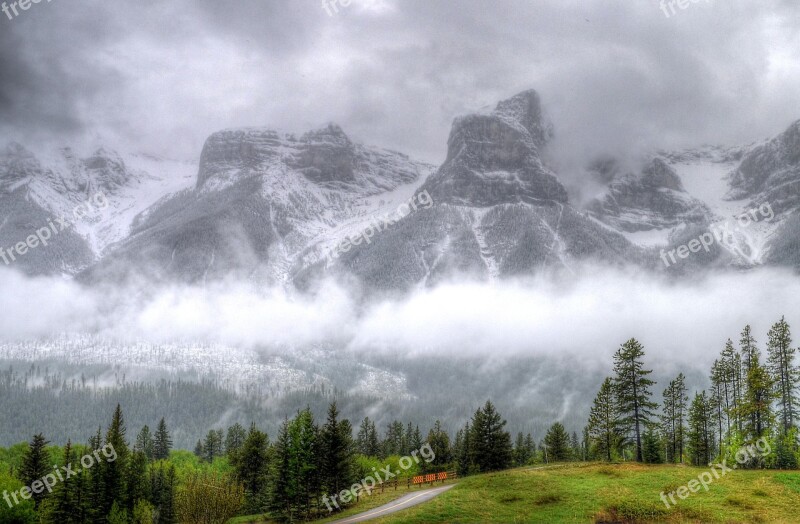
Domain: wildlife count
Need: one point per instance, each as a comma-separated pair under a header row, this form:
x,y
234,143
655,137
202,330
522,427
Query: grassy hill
x,y
611,493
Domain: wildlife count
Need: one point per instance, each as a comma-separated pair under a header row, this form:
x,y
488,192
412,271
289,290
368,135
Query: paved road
x,y
404,502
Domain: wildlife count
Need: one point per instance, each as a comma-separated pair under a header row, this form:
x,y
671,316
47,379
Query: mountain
x,y
278,208
87,203
264,202
497,211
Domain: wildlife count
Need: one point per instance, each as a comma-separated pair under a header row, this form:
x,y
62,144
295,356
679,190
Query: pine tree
x,y
367,439
283,489
35,465
212,445
96,488
252,469
530,447
701,436
557,442
66,498
464,457
114,472
520,457
335,451
603,420
575,446
633,392
234,441
756,408
137,485
144,442
198,449
439,442
784,373
416,439
751,357
304,460
163,484
652,447
162,442
490,444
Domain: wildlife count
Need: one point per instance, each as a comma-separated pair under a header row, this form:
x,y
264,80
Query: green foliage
x,y
557,443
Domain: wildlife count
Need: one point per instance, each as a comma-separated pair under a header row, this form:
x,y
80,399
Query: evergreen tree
x,y
198,449
144,443
162,442
283,489
416,439
633,392
604,421
252,469
756,409
490,445
114,472
66,507
575,446
303,461
393,444
162,489
784,372
35,465
700,436
557,443
137,485
439,442
520,452
335,450
234,441
367,439
212,445
652,447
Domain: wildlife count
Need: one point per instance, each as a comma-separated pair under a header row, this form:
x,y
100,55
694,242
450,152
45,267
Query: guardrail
x,y
418,480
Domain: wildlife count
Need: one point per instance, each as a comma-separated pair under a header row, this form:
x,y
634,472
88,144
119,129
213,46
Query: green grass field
x,y
611,493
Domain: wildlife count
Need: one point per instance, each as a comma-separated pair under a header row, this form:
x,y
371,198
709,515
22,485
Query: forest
x,y
242,471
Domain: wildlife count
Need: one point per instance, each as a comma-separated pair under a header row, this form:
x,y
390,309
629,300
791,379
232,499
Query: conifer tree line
x,y
240,471
750,397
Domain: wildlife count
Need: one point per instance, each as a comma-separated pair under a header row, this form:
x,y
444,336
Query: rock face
x,y
494,159
652,199
770,172
497,212
277,208
264,207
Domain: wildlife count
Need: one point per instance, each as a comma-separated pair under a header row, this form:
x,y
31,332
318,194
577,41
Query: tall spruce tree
x,y
784,373
114,471
439,442
335,453
557,443
604,421
701,431
490,445
252,469
632,388
35,465
144,442
162,442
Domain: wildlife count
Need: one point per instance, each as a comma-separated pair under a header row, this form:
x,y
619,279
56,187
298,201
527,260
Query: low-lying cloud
x,y
679,323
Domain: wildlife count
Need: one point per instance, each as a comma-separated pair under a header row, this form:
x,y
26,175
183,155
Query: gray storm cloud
x,y
615,76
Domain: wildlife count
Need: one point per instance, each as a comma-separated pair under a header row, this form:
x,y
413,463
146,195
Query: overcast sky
x,y
160,76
